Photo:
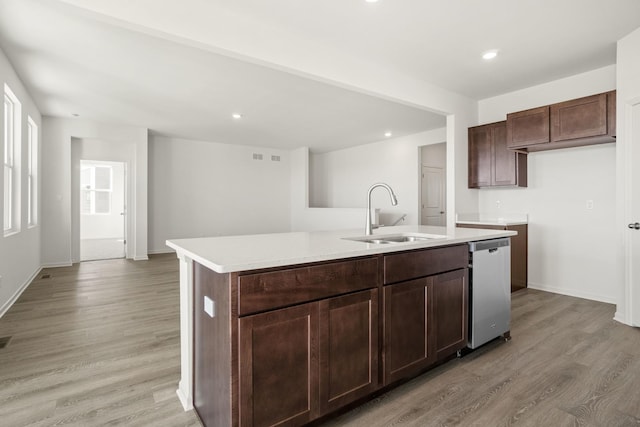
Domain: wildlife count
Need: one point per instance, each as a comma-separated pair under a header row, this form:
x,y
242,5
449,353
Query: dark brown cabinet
x,y
519,252
300,362
408,329
491,163
583,121
580,118
528,128
286,346
348,349
425,309
451,308
278,354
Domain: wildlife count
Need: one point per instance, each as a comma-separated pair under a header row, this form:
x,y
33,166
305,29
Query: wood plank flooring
x,y
568,364
98,344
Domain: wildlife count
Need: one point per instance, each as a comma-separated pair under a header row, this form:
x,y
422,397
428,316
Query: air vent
x,y
257,156
4,341
275,158
46,276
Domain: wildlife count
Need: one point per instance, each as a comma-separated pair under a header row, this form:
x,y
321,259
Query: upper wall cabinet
x,y
491,164
584,121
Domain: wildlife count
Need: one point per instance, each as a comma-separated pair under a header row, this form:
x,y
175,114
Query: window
x,y
11,211
32,173
96,186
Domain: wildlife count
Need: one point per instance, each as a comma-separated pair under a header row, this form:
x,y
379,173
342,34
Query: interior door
x,y
632,276
433,196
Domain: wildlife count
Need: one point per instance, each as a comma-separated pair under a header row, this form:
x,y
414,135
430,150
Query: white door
x,y
632,260
102,210
433,196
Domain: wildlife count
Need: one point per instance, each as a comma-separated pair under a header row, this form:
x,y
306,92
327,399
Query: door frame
x,y
449,184
77,148
123,214
631,292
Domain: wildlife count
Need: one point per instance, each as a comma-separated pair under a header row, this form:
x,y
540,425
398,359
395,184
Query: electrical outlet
x,y
209,306
589,204
498,204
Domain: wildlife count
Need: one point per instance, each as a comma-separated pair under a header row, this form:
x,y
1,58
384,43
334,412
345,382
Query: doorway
x,y
433,185
102,210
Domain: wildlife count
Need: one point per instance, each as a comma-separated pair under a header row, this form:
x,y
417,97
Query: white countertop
x,y
494,219
240,253
498,222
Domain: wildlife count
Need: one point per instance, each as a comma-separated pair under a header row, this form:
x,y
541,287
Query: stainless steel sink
x,y
400,239
395,238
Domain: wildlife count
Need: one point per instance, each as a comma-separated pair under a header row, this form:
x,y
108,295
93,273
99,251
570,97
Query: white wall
x,y
628,98
340,179
572,250
19,253
199,189
57,233
226,37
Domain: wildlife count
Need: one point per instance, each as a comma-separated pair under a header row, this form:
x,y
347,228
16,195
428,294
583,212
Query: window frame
x,y
92,191
11,160
32,172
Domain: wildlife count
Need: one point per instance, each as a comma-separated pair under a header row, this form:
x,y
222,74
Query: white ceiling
x,y
131,62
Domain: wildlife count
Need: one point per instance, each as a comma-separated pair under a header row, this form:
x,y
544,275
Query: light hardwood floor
x,y
568,364
95,344
98,344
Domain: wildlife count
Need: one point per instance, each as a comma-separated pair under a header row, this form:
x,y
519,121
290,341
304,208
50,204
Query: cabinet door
x,y
279,367
408,329
579,118
504,160
529,127
451,306
479,157
348,348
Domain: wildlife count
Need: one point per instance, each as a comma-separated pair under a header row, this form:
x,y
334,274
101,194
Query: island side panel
x,y
185,386
215,347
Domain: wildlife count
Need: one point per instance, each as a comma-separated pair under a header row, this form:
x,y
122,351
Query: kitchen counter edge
x,y
229,254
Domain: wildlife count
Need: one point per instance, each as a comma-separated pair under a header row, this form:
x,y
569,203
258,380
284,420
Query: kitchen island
x,y
282,329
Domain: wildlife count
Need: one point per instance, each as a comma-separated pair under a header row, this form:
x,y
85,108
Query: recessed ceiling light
x,y
371,1
490,54
236,115
387,134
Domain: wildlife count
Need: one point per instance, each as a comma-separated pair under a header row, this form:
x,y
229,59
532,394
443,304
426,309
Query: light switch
x,y
589,204
209,306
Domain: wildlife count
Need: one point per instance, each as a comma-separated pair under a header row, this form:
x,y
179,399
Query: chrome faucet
x,y
394,201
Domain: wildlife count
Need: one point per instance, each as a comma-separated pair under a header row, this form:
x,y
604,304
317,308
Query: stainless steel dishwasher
x,y
489,290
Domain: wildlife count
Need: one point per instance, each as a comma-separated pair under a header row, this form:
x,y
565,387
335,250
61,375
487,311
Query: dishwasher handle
x,y
491,245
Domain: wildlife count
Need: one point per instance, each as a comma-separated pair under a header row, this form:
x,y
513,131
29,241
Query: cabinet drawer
x,y
266,291
427,262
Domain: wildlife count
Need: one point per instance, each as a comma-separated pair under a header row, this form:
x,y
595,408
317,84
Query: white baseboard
x,y
141,258
57,264
7,305
572,293
618,317
187,404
